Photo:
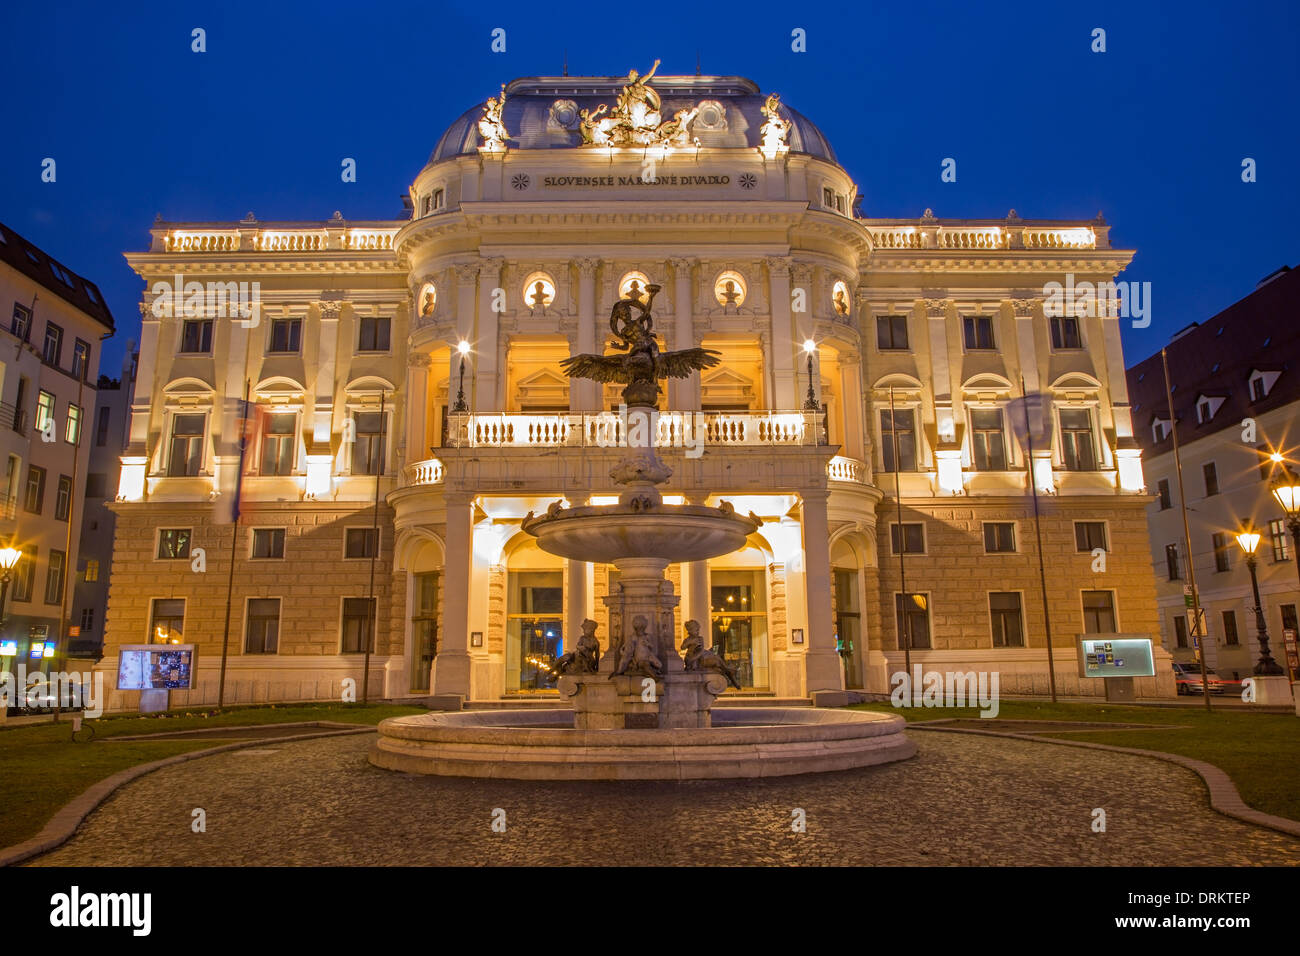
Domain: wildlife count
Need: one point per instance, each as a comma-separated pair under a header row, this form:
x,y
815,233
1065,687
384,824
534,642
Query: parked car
x,y
1187,679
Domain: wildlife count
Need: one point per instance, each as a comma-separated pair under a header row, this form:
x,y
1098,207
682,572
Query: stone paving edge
x,y
1224,797
68,818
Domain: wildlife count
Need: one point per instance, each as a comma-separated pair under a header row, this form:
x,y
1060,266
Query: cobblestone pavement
x,y
962,800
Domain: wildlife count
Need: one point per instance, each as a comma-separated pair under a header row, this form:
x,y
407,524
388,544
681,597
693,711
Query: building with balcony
x,y
54,322
1236,402
416,363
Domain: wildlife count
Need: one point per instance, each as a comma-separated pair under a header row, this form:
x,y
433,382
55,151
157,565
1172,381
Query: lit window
x,y
92,571
168,623
912,620
72,431
174,544
1277,532
44,410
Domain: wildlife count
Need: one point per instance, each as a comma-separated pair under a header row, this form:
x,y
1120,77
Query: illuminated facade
x,y
445,333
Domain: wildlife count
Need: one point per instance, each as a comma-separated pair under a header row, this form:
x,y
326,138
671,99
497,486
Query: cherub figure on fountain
x,y
585,657
698,658
637,655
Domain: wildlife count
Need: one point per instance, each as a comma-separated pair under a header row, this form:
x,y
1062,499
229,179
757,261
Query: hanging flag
x,y
245,427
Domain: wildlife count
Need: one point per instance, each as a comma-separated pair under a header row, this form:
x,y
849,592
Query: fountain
x,y
640,710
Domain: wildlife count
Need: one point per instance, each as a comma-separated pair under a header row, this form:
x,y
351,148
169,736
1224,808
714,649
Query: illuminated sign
x,y
155,667
38,650
1116,657
8,648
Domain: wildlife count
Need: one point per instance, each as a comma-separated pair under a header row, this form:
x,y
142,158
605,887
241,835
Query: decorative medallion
x,y
520,181
748,181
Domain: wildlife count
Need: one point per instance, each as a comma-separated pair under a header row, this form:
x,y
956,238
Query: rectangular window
x,y
437,198
22,323
278,442
92,570
196,336
34,494
1288,618
1230,629
914,626
25,574
999,537
891,333
263,635
54,578
187,446
913,538
1076,440
905,437
1180,630
285,335
1004,612
1277,531
373,335
1211,479
1222,560
1098,612
52,351
360,543
63,498
44,410
986,439
978,331
268,543
358,625
1171,562
168,623
72,431
80,359
1257,391
1065,333
174,544
101,426
1166,499
87,621
368,449
1090,535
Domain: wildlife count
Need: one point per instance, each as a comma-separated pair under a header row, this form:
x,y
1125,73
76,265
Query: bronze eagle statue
x,y
644,364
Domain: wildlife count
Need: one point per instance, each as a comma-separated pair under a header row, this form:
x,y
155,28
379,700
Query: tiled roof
x,y
33,262
1258,333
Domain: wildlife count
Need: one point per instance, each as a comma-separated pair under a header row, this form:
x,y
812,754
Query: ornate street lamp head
x,y
1286,490
1248,539
9,557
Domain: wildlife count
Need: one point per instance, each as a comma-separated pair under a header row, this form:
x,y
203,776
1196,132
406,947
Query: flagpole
x,y
234,545
374,555
1197,637
1038,534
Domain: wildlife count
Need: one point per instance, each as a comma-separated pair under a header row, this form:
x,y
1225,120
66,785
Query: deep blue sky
x,y
1152,132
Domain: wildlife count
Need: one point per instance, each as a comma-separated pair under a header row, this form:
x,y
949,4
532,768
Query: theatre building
x,y
416,364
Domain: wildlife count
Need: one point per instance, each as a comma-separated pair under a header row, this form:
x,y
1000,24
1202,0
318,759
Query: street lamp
x,y
460,407
8,558
1248,540
810,404
1286,490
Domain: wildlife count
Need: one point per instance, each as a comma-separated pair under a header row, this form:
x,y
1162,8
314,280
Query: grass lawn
x,y
1260,752
44,769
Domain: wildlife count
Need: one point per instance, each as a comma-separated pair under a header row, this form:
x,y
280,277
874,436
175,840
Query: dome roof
x,y
542,113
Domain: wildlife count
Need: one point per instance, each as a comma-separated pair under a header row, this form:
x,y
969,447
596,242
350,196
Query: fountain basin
x,y
743,742
671,533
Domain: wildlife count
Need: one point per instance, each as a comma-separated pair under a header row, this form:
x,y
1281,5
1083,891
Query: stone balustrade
x,y
609,429
313,239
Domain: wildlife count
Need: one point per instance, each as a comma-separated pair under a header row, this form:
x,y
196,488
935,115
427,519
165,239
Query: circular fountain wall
x,y
743,742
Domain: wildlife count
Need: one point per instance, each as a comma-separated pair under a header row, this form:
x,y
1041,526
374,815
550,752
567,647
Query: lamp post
x,y
8,558
1248,540
460,407
1286,490
810,403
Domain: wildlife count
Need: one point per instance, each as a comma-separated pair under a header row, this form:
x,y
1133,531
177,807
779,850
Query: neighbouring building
x,y
1236,399
54,324
423,355
112,414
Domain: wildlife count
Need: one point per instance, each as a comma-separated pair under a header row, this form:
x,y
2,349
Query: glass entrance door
x,y
739,610
534,630
424,629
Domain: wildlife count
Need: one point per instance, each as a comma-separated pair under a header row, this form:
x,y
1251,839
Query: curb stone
x,y
1223,792
69,817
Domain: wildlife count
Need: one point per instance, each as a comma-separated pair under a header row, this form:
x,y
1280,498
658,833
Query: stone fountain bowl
x,y
672,533
744,742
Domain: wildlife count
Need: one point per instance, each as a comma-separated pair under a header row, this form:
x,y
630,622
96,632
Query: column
x,y
851,399
683,394
486,347
782,356
450,673
584,395
417,406
695,576
823,668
